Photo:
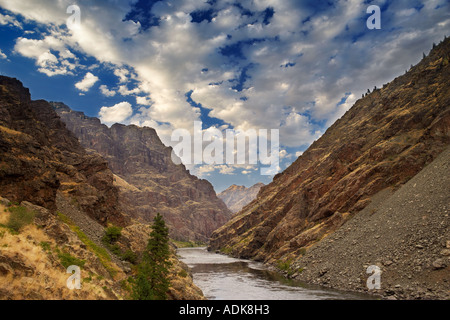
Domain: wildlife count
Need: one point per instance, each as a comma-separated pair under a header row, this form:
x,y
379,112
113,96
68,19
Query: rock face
x,y
40,156
383,141
237,197
148,180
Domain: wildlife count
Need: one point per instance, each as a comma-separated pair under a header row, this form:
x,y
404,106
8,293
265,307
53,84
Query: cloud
x,y
143,101
289,70
116,114
106,92
51,54
87,83
9,20
122,74
2,55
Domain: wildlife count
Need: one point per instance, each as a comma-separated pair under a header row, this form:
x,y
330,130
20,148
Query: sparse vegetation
x,y
112,235
286,266
183,273
68,260
187,244
46,246
19,218
100,252
226,250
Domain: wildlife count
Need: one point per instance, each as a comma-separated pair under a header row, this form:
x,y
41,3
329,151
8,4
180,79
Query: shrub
x,y
112,234
68,260
183,273
19,218
130,256
45,246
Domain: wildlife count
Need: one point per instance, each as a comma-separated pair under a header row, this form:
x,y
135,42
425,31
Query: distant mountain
x,y
237,197
148,180
382,142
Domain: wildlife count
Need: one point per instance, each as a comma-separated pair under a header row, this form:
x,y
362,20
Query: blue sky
x,y
296,66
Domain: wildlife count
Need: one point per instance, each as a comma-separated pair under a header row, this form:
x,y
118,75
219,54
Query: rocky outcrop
x,y
237,197
148,180
383,141
40,156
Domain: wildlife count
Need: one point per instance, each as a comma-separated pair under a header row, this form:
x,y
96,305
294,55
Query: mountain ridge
x,y
148,180
236,197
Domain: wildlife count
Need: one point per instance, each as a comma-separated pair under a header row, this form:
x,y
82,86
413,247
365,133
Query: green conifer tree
x,y
152,281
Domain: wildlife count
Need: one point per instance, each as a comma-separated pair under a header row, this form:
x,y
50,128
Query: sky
x,y
293,66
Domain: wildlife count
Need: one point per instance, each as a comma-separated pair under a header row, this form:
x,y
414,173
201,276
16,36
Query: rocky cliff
x,y
237,197
383,141
148,180
40,156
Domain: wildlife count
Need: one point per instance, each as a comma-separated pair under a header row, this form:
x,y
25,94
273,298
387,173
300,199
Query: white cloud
x,y
51,54
2,55
143,101
106,92
87,83
116,114
297,73
124,91
226,170
122,74
9,20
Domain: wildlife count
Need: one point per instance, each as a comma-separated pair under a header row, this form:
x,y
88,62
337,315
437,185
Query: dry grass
x,y
36,251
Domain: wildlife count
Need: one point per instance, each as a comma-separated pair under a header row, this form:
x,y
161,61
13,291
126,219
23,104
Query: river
x,y
224,278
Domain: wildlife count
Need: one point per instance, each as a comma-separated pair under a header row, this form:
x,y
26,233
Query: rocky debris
x,y
413,225
237,197
4,202
148,180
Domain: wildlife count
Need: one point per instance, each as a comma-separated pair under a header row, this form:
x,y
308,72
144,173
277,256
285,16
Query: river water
x,y
224,278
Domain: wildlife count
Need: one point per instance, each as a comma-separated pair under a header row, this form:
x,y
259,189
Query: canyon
x,y
382,142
